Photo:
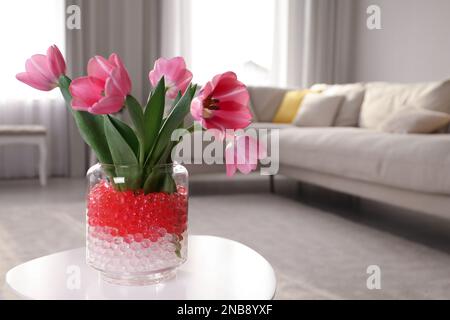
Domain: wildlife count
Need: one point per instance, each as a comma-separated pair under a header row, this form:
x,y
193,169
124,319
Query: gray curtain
x,y
319,41
131,29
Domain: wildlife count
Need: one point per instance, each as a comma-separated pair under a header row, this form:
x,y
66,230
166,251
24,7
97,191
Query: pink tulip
x,y
242,153
105,87
43,71
176,76
222,104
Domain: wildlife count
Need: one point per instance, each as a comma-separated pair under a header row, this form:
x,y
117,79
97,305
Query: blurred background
x,y
283,43
319,241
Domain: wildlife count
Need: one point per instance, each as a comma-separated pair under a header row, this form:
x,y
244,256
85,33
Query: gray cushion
x,y
265,101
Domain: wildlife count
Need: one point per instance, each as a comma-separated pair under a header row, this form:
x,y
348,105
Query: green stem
x,y
90,126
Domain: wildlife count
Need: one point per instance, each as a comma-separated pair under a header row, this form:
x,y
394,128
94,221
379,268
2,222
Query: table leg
x,y
272,183
43,161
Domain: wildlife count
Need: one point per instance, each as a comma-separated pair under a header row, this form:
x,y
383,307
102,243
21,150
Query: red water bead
x,y
136,213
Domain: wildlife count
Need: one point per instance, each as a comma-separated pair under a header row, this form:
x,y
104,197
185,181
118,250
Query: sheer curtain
x,y
220,35
286,43
176,28
233,35
30,27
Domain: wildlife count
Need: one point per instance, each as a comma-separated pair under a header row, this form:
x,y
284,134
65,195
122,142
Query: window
x,y
27,27
233,35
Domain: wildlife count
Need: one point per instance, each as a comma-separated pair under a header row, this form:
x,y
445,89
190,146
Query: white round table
x,y
216,268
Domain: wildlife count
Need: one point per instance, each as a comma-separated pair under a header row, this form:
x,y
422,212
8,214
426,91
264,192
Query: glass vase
x,y
136,237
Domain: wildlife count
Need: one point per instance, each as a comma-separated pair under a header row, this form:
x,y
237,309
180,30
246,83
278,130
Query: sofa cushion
x,y
265,101
318,110
252,111
415,162
415,120
436,98
289,106
348,115
382,99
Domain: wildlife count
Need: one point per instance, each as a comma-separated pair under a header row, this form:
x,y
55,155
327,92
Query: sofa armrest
x,y
443,130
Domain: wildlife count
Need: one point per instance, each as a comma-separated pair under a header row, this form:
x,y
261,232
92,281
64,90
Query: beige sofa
x,y
411,171
353,156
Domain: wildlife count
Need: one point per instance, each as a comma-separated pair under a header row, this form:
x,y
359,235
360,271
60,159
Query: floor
x,y
319,243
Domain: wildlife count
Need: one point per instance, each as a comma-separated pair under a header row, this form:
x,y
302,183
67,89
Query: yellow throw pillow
x,y
289,106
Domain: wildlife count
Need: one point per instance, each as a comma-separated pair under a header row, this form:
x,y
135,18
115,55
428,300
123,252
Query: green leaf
x,y
177,98
137,116
125,161
168,185
153,114
121,152
127,133
159,181
90,126
166,155
173,120
154,182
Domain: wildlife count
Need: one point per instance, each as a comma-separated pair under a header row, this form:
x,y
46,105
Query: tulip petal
x,y
226,99
118,83
154,77
79,104
125,81
104,90
43,71
230,120
230,159
242,153
107,105
171,68
230,169
213,123
113,85
183,80
234,106
223,76
172,92
56,61
196,109
177,77
38,66
30,80
87,89
239,94
238,114
206,90
98,67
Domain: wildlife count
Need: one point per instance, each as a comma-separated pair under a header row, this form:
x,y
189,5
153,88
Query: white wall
x,y
413,44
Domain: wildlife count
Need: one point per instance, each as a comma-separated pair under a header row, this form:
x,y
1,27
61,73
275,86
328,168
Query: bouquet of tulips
x,y
135,150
